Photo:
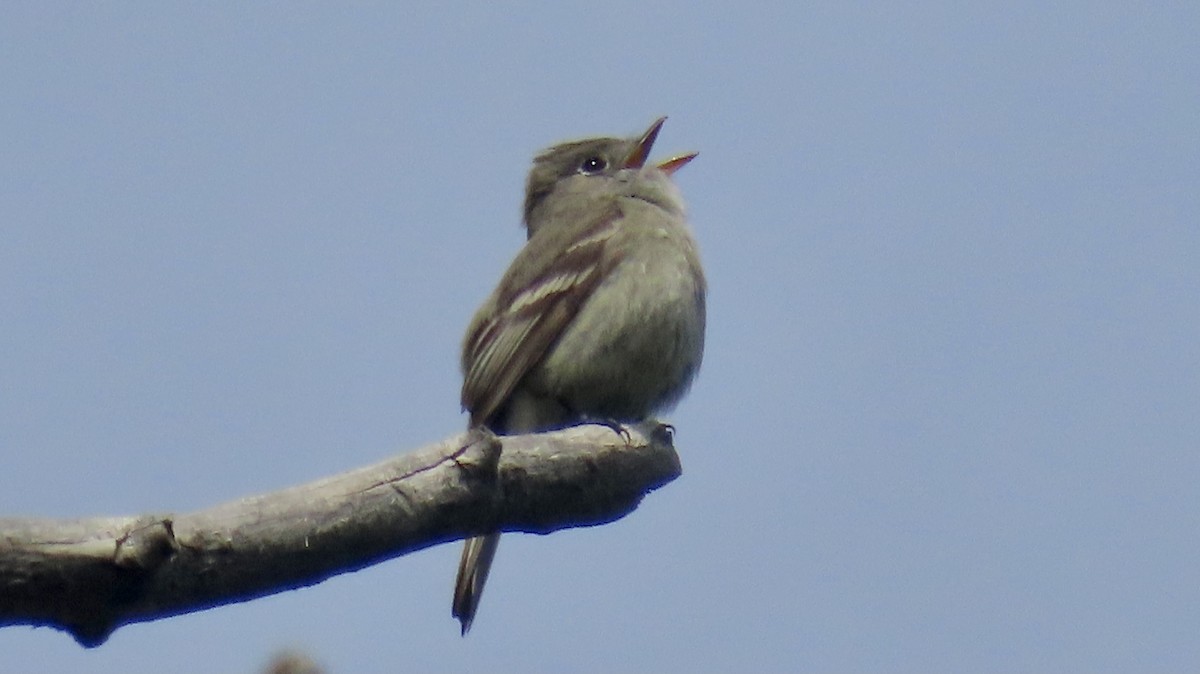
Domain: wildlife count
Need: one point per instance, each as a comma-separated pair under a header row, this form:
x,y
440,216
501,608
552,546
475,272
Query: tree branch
x,y
90,576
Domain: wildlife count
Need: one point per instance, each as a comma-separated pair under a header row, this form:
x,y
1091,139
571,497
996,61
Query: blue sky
x,y
948,414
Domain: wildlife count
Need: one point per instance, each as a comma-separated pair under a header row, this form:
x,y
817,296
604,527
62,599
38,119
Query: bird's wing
x,y
530,311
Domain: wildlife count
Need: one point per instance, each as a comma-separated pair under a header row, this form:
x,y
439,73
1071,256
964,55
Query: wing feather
x,y
529,313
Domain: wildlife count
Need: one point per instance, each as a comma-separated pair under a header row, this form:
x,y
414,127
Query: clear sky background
x,y
948,416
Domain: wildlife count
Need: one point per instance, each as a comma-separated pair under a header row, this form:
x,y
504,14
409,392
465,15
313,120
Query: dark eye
x,y
592,166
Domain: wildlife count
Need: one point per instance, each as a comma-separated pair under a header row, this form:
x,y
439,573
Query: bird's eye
x,y
592,166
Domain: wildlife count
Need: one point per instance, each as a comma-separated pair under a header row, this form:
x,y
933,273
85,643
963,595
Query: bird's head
x,y
595,166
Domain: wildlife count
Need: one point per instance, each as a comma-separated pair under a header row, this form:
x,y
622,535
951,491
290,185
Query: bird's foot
x,y
618,428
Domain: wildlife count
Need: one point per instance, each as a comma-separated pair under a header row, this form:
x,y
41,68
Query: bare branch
x,y
90,576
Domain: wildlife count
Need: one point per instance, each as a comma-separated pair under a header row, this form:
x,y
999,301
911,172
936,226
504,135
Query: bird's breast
x,y
636,343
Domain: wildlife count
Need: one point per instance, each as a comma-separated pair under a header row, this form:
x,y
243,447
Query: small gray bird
x,y
599,318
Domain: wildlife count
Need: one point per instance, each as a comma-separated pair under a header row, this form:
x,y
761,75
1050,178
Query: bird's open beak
x,y
641,151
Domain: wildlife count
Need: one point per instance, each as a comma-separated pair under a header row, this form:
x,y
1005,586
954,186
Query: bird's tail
x,y
472,574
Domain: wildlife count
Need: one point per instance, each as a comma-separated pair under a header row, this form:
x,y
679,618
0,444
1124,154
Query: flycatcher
x,y
599,318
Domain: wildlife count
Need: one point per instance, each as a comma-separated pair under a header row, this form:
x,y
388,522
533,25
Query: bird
x,y
600,317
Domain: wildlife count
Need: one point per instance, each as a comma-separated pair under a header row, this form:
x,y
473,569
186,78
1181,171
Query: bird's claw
x,y
618,428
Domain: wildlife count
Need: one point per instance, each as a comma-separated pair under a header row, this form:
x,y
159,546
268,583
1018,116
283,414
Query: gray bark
x,y
90,576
